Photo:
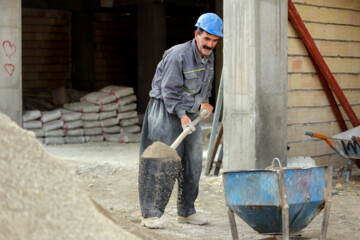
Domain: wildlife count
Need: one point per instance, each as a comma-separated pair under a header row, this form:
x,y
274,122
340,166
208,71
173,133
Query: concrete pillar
x,y
255,71
151,27
10,60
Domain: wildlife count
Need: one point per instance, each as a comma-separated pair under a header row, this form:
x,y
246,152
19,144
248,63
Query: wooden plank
x,y
326,48
328,31
296,132
45,52
328,15
310,81
299,64
46,68
315,114
309,148
45,37
345,4
46,76
46,44
45,29
45,21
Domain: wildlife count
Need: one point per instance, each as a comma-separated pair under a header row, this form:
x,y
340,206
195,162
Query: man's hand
x,y
208,107
186,122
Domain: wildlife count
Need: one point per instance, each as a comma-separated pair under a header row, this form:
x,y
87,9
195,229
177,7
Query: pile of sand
x,y
40,198
160,150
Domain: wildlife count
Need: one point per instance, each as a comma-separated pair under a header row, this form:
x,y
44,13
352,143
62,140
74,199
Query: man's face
x,y
205,42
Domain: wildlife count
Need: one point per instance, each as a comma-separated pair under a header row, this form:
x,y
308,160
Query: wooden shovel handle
x,y
187,130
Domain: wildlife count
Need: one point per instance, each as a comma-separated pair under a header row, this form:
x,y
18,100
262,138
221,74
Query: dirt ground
x,y
109,173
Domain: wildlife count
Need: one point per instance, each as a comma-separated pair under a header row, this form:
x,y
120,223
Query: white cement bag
x,y
118,91
31,115
40,139
73,124
67,115
96,138
56,124
74,132
91,124
55,133
32,124
54,140
126,108
109,107
114,129
109,122
99,98
71,139
106,115
39,132
50,115
92,131
127,115
128,122
126,100
123,137
90,116
130,129
83,107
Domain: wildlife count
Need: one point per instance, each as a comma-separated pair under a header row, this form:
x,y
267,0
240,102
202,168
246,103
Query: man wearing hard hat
x,y
180,88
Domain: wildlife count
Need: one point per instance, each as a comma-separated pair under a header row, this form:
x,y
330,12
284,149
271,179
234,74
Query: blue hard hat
x,y
211,23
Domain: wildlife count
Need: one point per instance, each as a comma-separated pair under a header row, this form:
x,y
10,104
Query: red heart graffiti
x,y
9,48
9,68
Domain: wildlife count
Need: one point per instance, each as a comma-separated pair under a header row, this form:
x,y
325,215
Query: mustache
x,y
208,48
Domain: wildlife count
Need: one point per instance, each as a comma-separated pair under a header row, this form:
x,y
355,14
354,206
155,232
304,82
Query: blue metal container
x,y
255,196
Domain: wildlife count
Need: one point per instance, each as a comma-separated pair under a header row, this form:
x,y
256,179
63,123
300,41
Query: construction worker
x,y
180,88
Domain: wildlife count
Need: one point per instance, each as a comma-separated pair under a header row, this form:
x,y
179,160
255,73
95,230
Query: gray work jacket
x,y
182,79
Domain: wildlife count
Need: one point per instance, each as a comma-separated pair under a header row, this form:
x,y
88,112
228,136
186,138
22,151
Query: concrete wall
x,y
255,86
10,59
335,28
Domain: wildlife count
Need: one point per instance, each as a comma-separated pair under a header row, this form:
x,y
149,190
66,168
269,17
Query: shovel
x,y
159,167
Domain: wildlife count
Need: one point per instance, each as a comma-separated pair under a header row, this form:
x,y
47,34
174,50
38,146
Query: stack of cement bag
x,y
109,114
112,110
47,126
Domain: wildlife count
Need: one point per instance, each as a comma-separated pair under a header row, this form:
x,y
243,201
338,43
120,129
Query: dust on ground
x,y
109,173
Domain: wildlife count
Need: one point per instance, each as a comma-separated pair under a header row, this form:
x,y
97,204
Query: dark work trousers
x,y
161,126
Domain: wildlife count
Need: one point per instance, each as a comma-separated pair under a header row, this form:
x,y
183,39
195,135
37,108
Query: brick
x,y
296,132
311,81
328,15
328,31
346,4
326,48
